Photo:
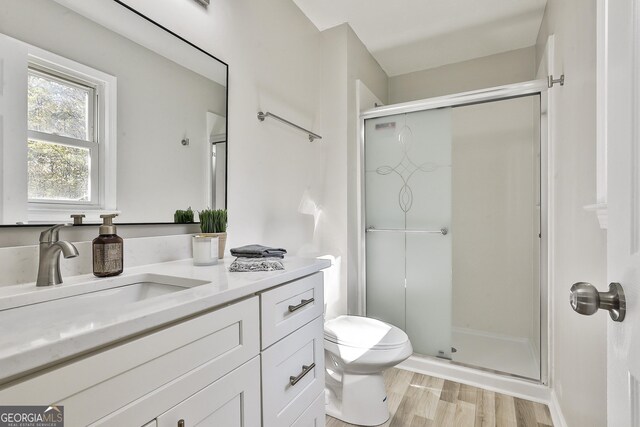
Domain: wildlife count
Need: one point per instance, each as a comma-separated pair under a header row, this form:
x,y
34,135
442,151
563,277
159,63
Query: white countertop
x,y
42,342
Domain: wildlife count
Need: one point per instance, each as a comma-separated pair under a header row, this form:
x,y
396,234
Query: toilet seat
x,y
364,333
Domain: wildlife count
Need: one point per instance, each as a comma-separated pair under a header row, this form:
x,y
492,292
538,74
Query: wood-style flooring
x,y
417,400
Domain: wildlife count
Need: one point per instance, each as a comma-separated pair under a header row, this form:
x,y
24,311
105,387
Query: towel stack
x,y
258,251
257,258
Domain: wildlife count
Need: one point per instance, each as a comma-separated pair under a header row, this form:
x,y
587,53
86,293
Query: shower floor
x,y
498,353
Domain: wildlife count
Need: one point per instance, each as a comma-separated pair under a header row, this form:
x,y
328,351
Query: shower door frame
x,y
498,93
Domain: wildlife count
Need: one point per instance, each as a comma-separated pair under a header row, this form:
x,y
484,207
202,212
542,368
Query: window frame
x,y
92,144
104,133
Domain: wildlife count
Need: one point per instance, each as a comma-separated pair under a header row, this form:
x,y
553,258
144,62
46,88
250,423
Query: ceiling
x,y
412,35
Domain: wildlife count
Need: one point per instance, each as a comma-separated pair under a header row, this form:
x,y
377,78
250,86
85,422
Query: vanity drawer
x,y
287,308
297,359
95,386
232,401
314,416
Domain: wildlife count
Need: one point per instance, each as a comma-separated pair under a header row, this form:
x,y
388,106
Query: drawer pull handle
x,y
304,302
181,423
305,370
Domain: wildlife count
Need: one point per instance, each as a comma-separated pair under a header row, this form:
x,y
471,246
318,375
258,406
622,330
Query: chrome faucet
x,y
49,262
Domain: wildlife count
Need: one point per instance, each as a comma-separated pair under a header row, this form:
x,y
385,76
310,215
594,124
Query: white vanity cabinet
x,y
293,353
255,361
133,382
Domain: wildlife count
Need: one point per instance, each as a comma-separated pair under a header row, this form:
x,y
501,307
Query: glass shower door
x,y
408,189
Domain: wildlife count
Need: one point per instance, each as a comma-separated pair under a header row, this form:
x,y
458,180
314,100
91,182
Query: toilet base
x,y
358,399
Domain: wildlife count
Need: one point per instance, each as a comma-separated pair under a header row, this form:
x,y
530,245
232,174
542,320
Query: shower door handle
x,y
444,230
585,299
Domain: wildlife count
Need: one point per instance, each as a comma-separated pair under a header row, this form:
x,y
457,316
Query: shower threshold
x,y
510,355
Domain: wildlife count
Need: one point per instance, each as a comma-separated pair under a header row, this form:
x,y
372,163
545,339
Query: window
x,y
63,165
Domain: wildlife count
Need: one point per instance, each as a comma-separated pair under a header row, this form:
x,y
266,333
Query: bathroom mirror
x,y
103,110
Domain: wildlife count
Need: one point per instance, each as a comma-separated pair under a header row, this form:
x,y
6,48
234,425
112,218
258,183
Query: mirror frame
x,y
226,177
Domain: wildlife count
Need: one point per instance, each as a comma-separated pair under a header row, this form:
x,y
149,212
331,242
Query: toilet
x,y
357,351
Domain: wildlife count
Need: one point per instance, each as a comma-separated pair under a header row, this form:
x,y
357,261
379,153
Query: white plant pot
x,y
205,249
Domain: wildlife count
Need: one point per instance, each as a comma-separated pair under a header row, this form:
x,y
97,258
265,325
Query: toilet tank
x,y
335,292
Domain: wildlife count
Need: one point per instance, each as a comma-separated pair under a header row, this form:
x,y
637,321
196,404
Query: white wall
x,y
274,55
495,223
495,70
159,103
275,59
579,342
13,110
333,219
363,67
345,60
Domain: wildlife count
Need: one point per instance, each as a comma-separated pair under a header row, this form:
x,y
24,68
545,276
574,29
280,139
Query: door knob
x,y
585,299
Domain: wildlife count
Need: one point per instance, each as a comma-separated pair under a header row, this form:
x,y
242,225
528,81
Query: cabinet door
x,y
292,374
314,416
232,401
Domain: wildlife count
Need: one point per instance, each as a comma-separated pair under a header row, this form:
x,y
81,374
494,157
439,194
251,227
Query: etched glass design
x,y
408,188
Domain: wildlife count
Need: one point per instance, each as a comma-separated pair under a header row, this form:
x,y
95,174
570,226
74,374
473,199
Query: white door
x,y
623,236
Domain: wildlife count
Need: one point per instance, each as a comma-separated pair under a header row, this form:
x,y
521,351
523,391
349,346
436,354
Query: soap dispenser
x,y
107,249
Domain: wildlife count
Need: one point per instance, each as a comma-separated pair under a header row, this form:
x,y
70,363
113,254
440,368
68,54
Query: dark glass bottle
x,y
108,250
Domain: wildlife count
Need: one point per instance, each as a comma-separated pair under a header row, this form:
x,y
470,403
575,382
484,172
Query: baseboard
x,y
556,411
522,388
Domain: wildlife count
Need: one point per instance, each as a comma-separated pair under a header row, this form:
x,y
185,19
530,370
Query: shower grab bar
x,y
443,230
312,136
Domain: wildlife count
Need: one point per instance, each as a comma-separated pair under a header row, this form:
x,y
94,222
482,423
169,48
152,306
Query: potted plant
x,y
183,217
213,223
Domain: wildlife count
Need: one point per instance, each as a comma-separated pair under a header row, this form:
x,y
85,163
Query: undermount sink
x,y
71,301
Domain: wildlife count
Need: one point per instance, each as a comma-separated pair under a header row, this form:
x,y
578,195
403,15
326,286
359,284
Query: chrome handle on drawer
x,y
304,302
181,423
305,370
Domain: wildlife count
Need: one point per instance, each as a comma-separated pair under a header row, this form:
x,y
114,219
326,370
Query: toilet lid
x,y
363,332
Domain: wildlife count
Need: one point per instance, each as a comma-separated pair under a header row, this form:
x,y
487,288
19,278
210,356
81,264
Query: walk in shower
x,y
452,227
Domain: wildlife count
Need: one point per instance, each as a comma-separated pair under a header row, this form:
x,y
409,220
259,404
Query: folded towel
x,y
256,264
258,251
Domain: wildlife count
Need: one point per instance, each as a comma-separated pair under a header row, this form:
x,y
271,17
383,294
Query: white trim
x,y
600,207
602,212
548,244
547,229
360,289
463,98
60,140
106,134
89,142
518,387
556,413
214,123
